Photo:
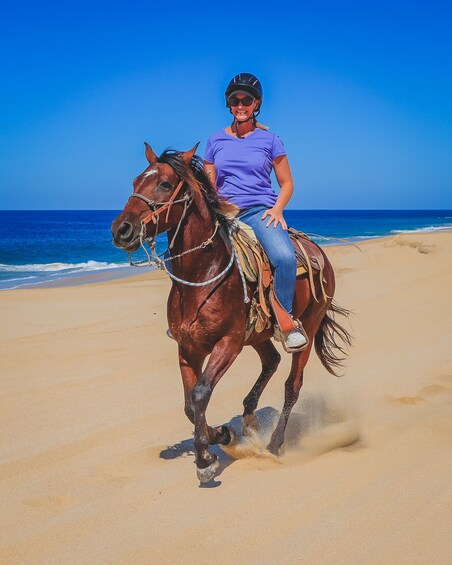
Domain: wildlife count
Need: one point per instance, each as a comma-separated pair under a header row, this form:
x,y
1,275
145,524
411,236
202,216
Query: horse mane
x,y
196,178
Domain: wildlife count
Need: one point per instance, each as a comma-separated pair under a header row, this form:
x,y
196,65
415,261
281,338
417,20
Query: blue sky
x,y
360,93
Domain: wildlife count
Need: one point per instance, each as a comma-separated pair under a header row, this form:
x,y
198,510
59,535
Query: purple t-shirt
x,y
243,166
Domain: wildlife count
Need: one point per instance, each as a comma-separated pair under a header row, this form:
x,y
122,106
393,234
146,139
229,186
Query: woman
x,y
239,160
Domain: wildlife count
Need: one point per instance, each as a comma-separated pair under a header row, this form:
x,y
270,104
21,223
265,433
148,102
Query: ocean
x,y
46,247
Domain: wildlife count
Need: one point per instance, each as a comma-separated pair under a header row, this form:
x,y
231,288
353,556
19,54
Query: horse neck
x,y
196,229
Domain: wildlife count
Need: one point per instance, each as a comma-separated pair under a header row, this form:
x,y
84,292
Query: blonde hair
x,y
260,126
256,123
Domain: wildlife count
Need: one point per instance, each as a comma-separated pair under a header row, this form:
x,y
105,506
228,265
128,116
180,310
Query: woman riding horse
x,y
206,310
239,160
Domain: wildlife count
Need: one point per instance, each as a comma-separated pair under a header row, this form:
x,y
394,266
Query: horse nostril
x,y
125,230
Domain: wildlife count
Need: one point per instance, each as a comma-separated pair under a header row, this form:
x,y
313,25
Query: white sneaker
x,y
295,340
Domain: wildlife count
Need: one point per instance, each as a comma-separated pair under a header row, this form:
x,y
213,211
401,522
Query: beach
x,y
96,464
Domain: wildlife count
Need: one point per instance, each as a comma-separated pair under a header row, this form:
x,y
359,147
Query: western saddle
x,y
265,307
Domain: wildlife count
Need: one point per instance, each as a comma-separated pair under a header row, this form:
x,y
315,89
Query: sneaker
x,y
295,340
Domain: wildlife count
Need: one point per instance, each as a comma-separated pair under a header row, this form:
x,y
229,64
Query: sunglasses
x,y
245,101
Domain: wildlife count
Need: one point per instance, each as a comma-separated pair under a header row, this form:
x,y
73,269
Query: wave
x,y
425,229
20,279
60,267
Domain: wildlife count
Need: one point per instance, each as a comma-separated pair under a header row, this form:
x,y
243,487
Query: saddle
x,y
265,307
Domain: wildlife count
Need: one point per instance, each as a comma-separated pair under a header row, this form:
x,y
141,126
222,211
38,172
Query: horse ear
x,y
150,155
188,155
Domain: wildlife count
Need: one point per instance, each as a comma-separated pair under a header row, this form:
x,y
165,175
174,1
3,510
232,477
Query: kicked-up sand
x,y
96,463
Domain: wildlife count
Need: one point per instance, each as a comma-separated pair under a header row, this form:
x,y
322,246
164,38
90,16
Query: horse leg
x,y
270,359
292,391
190,367
221,358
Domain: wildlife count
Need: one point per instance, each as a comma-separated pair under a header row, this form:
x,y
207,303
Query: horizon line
x,y
286,210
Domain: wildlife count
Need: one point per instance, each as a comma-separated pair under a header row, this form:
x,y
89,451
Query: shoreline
x,y
118,273
82,278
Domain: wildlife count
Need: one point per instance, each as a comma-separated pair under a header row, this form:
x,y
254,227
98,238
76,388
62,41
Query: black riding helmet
x,y
245,82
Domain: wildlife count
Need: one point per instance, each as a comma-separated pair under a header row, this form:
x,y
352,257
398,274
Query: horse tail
x,y
330,352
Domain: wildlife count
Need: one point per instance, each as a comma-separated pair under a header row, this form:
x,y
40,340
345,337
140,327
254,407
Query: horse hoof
x,y
273,450
234,437
250,424
209,473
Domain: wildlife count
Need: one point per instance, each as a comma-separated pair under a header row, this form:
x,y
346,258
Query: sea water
x,y
39,247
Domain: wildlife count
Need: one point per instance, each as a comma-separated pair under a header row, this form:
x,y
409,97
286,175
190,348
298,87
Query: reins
x,y
157,208
328,238
159,263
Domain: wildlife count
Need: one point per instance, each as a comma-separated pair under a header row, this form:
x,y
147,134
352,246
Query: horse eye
x,y
165,185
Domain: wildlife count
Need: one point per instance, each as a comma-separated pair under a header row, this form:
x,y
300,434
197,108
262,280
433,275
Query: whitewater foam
x,y
425,229
58,267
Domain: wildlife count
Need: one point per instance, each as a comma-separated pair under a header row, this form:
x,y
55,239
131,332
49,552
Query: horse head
x,y
161,195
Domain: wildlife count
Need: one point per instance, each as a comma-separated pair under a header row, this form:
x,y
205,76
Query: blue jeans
x,y
280,251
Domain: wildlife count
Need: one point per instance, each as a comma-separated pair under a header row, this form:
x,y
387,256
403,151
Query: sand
x,y
96,463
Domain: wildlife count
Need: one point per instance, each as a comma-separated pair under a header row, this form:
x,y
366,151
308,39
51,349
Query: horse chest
x,y
199,333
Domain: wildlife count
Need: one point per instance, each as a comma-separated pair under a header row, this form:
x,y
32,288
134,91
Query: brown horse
x,y
207,313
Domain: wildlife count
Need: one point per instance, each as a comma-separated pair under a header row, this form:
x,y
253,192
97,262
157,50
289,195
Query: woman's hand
x,y
274,215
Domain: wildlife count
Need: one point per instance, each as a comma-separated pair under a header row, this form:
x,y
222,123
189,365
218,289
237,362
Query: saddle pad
x,y
247,229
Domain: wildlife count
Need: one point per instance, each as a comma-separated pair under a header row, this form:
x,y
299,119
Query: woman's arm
x,y
285,181
209,169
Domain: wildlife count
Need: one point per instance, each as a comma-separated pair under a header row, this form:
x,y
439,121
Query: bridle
x,y
157,208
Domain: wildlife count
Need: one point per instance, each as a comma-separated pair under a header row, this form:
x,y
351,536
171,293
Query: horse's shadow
x,y
316,413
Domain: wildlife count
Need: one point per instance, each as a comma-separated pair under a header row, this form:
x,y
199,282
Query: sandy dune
x,y
95,457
